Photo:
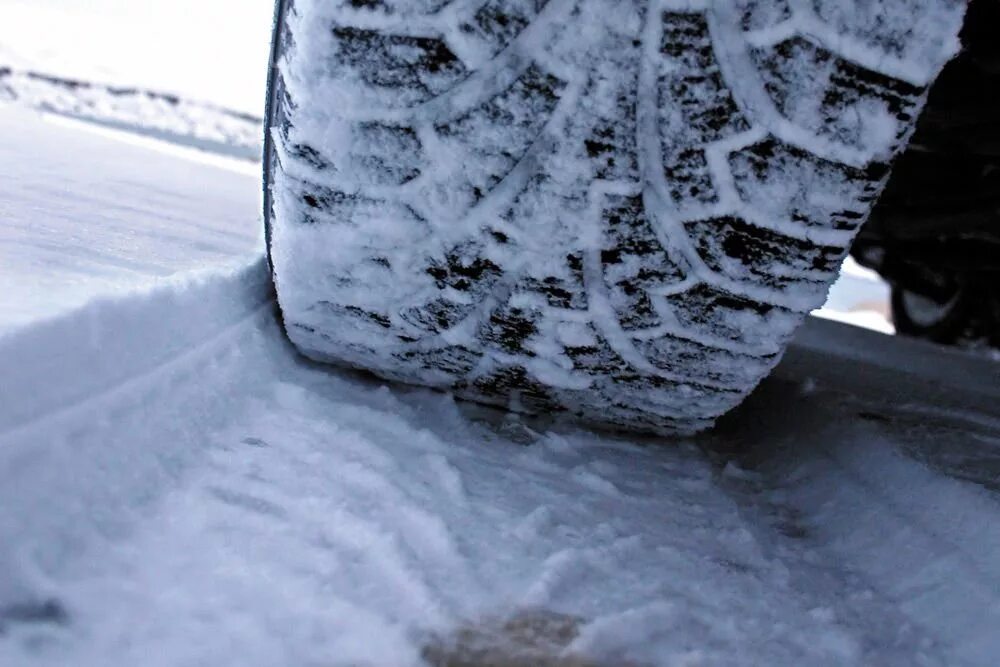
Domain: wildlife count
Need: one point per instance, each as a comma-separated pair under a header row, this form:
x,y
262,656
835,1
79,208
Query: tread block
x,y
747,253
353,345
509,384
466,270
635,309
788,184
686,41
498,22
453,360
509,328
603,406
755,14
391,7
322,198
386,154
598,358
325,205
668,398
652,392
835,98
633,261
689,178
560,291
708,313
360,318
695,107
683,357
695,104
611,144
912,30
650,399
607,118
438,315
309,155
494,136
406,70
466,278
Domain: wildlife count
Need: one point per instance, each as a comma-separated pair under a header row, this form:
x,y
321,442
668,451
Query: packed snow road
x,y
178,487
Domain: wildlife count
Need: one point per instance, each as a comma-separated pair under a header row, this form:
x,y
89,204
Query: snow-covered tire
x,y
617,210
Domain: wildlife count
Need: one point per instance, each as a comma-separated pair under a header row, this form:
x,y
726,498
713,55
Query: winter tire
x,y
615,210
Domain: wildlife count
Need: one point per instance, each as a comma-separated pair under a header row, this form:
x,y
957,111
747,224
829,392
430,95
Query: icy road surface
x,y
178,488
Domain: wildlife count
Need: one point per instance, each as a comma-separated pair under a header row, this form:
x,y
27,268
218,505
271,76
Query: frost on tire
x,y
619,211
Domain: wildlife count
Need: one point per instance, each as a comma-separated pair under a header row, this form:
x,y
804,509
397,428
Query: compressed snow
x,y
243,507
275,513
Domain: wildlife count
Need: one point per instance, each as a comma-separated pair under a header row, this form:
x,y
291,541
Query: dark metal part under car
x,y
935,234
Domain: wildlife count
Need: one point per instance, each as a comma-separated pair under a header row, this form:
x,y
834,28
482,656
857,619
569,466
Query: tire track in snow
x,y
236,497
98,409
907,553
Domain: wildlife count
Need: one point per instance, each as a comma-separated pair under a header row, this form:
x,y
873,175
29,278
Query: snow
x,y
149,215
178,487
215,51
785,158
859,297
331,518
190,70
868,319
148,112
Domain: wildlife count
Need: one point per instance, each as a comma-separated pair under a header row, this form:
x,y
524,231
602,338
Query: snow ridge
x,y
185,121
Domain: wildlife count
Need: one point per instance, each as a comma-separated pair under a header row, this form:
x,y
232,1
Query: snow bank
x,y
211,127
82,395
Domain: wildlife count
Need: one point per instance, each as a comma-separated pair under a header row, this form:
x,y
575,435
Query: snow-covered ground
x,y
178,487
192,71
206,50
148,214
